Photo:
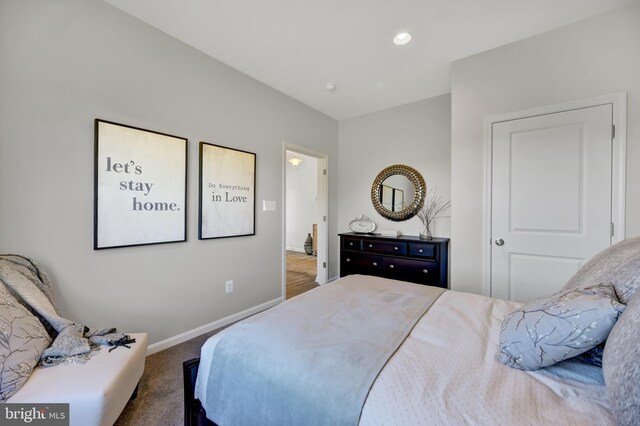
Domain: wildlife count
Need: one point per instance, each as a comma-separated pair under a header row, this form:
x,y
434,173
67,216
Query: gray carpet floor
x,y
160,392
160,399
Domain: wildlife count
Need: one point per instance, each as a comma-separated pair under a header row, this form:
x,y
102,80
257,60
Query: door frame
x,y
618,170
323,198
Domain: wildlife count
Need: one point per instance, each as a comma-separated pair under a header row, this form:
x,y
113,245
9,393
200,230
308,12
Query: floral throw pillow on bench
x,y
23,339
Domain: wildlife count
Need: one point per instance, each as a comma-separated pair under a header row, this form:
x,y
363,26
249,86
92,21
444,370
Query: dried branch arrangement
x,y
434,206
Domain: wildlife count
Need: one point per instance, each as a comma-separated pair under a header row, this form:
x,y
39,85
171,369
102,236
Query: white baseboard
x,y
296,249
190,334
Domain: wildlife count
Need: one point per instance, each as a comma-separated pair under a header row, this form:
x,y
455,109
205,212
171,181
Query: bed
x,y
444,371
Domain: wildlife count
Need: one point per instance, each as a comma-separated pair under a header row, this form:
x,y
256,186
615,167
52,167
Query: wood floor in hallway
x,y
301,273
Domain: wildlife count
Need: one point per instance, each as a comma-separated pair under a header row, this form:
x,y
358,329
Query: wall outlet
x,y
228,286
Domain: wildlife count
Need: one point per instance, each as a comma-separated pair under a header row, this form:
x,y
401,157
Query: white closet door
x,y
551,199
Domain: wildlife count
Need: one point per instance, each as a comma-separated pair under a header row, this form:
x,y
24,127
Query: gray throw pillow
x,y
23,339
557,327
618,264
621,365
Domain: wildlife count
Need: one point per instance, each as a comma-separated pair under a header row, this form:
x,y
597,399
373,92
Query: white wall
x,y
67,62
417,135
302,201
593,57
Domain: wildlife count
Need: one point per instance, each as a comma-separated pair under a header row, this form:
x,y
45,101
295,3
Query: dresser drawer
x,y
415,271
352,243
385,247
426,250
358,263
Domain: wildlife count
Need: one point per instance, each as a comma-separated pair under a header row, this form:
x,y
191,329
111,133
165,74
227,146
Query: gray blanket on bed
x,y
312,360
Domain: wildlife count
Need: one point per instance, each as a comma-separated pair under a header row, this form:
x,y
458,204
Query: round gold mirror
x,y
398,192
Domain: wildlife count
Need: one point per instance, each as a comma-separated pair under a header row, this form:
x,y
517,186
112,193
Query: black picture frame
x,y
132,162
226,192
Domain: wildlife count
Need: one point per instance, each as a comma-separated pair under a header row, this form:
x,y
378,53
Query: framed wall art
x,y
140,187
227,192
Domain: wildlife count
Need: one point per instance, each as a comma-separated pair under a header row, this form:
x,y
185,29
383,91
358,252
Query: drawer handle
x,y
391,266
425,271
370,245
420,251
350,244
375,263
395,248
348,260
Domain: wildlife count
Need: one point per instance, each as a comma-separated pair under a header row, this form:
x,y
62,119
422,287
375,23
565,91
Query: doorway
x,y
305,227
554,197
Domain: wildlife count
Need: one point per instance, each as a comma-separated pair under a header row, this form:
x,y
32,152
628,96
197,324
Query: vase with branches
x,y
434,206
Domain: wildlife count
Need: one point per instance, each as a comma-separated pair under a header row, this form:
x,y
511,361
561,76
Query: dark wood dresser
x,y
405,258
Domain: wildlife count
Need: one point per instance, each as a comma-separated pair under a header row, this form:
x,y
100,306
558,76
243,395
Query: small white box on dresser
x,y
389,233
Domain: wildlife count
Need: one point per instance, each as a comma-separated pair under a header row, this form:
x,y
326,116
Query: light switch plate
x,y
268,206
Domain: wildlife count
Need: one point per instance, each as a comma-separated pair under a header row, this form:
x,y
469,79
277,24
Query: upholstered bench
x,y
97,391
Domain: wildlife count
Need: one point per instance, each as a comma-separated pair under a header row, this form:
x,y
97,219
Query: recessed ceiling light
x,y
401,38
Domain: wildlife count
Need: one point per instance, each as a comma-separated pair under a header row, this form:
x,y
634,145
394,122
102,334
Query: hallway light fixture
x,y
402,38
295,160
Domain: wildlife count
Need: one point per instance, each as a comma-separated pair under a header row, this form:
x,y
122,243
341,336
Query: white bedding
x,y
446,373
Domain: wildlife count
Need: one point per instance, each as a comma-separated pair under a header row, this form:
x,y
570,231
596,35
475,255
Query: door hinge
x,y
613,131
324,172
324,218
612,229
324,264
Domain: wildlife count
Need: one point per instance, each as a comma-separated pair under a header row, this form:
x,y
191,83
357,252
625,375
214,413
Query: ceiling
x,y
297,46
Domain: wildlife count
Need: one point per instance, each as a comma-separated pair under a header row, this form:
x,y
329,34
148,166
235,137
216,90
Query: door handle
x,y
499,242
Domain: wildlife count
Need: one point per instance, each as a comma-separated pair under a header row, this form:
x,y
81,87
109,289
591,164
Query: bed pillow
x,y
557,327
23,339
593,356
621,367
618,264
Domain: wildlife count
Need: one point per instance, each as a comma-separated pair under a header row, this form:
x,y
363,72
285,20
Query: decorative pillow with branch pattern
x,y
557,327
23,339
